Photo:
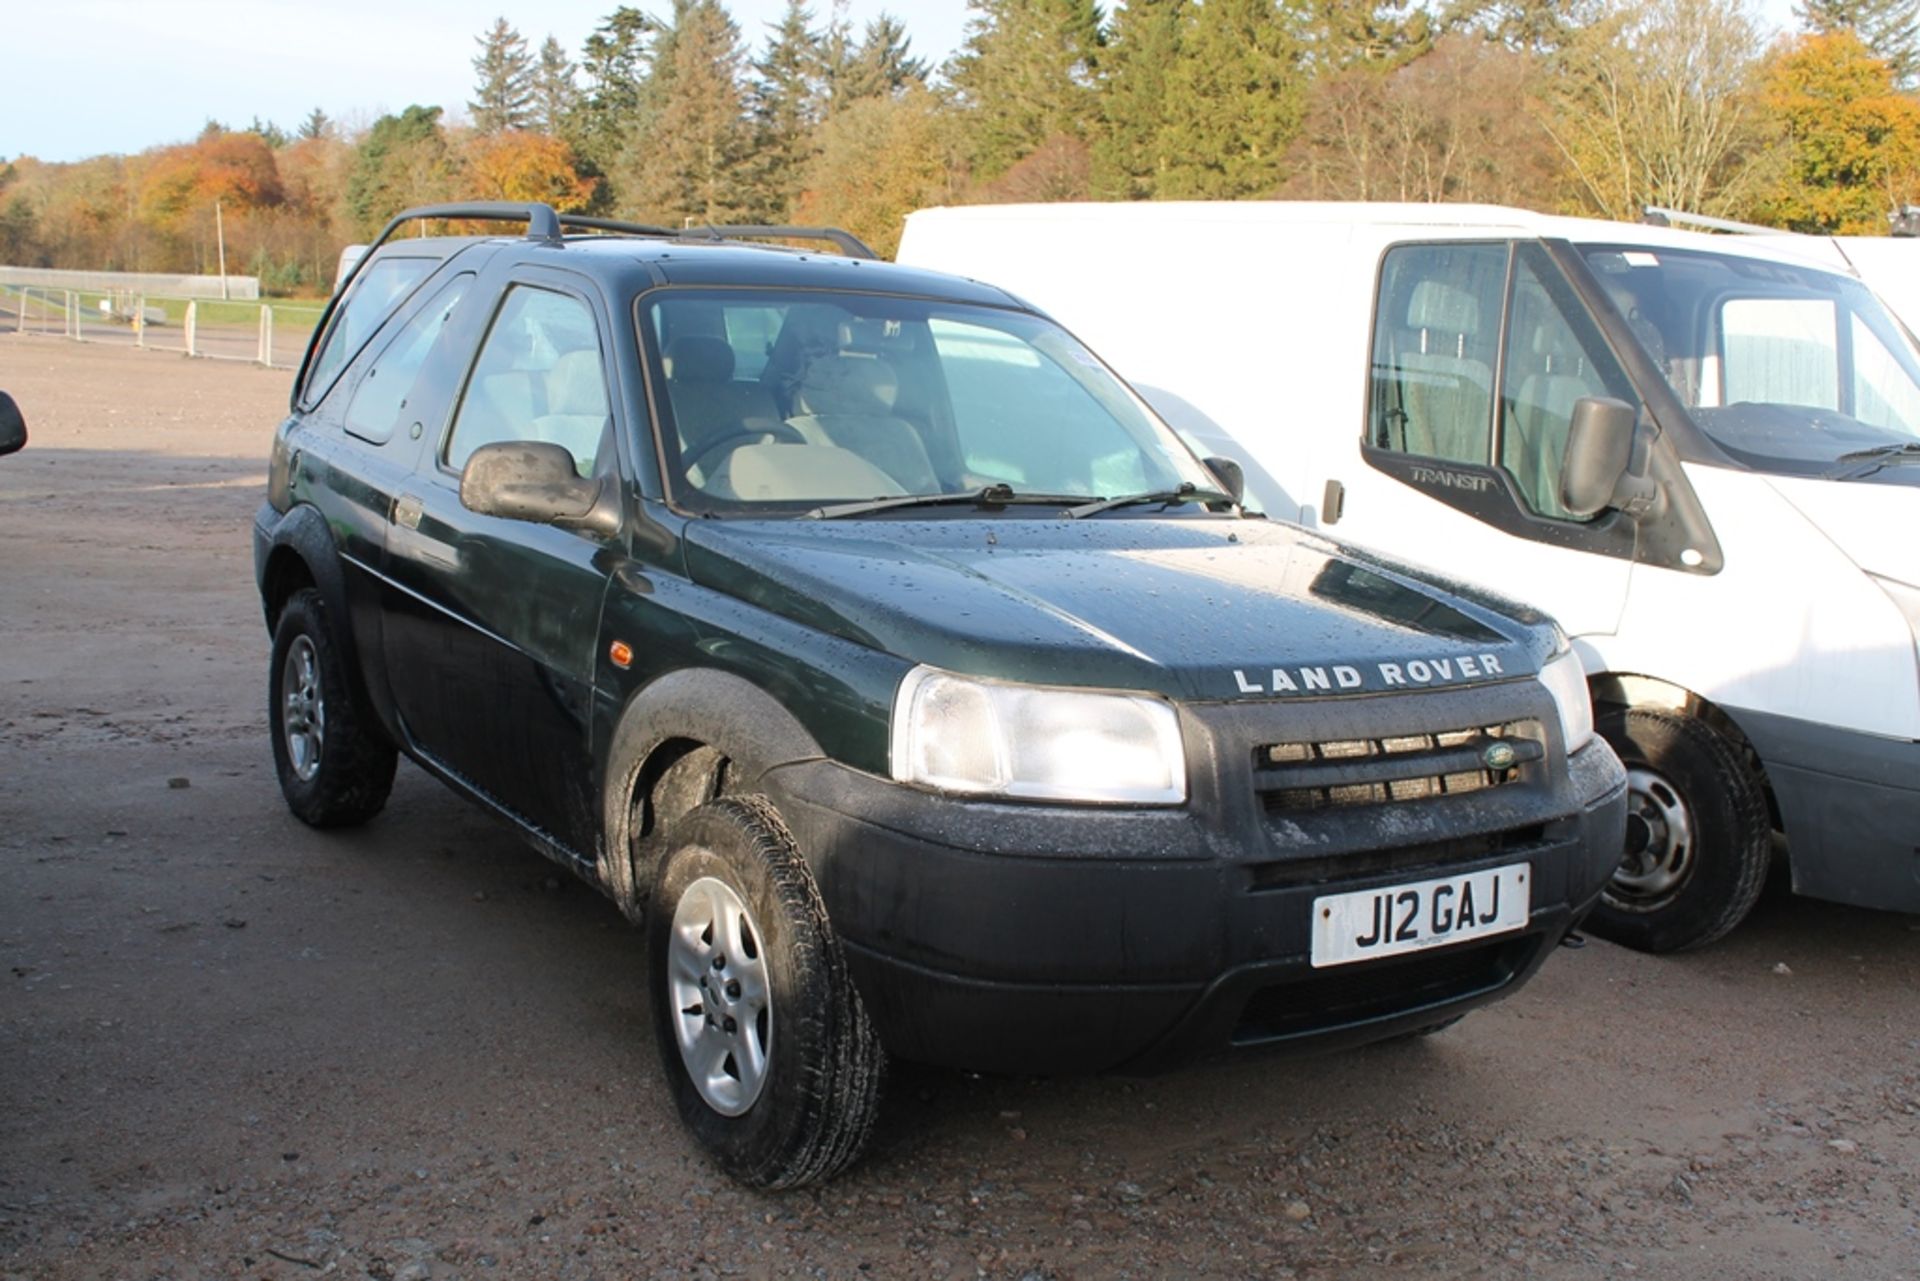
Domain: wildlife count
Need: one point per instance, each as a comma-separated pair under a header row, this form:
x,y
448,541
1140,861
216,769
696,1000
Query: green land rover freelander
x,y
864,637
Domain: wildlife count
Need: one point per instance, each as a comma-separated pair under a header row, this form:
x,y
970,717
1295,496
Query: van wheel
x,y
1697,834
335,766
769,1053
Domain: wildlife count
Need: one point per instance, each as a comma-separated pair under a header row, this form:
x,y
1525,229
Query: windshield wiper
x,y
1877,457
1187,492
991,496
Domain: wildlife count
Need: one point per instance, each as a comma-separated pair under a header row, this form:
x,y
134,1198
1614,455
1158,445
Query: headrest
x,y
699,358
574,384
850,385
1440,306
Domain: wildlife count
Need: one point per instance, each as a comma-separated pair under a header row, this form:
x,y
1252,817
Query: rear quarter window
x,y
376,293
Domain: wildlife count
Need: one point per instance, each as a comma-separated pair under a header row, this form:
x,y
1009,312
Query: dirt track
x,y
232,1046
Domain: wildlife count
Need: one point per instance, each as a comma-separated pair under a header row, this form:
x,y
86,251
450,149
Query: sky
x,y
124,75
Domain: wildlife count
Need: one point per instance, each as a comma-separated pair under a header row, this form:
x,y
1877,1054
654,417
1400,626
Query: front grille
x,y
1358,993
1331,773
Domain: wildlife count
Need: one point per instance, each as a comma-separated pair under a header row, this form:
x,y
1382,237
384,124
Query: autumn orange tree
x,y
520,165
1853,142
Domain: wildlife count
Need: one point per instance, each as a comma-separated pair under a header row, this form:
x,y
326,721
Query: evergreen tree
x,y
1025,75
616,61
503,93
1239,62
1890,29
787,98
316,125
882,64
554,92
1337,34
403,161
1142,49
687,164
271,133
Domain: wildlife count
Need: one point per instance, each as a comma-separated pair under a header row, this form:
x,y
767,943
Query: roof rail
x,y
1655,216
845,241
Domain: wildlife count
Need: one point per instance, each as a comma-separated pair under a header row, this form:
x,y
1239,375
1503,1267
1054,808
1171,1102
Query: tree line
x,y
1587,106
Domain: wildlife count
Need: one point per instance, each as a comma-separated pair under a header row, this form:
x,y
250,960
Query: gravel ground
x,y
234,1047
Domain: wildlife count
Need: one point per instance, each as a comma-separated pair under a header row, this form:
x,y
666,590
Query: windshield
x,y
787,400
1788,368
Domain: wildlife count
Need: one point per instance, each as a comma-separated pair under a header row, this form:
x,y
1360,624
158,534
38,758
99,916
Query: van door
x,y
1480,351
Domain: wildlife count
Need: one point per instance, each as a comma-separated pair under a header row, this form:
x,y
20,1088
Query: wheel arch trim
x,y
683,710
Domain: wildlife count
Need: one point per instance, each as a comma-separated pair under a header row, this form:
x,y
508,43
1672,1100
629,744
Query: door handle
x,y
406,511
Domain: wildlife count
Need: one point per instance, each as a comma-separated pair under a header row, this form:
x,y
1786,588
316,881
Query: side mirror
x,y
535,481
1599,451
1233,479
13,426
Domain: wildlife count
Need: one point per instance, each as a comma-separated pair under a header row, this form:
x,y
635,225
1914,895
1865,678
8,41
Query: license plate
x,y
1394,919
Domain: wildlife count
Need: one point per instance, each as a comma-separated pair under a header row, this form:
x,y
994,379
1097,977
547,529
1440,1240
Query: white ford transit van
x,y
1701,453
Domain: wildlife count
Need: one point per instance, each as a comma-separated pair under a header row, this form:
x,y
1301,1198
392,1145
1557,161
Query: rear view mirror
x,y
13,426
535,481
1599,451
1232,478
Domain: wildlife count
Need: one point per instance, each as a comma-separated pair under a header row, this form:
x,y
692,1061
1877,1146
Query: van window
x,y
1555,356
539,377
377,292
382,395
1436,327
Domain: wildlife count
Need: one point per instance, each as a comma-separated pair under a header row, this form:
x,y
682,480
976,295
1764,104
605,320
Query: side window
x,y
1436,326
382,396
1555,356
539,377
1780,351
1883,392
377,291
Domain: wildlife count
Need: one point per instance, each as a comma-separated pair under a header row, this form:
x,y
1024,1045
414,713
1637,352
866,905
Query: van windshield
x,y
792,399
1790,369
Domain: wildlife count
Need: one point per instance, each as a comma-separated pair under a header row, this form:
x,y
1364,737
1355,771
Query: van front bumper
x,y
1041,939
1850,804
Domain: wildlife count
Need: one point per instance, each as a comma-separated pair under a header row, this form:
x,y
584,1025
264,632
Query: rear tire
x,y
1697,834
768,1051
335,766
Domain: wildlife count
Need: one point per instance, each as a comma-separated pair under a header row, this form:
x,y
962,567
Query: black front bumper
x,y
1031,939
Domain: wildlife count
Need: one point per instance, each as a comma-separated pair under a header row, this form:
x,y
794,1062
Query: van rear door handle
x,y
406,511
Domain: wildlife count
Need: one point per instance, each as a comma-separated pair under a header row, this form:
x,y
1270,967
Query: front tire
x,y
768,1051
1697,834
335,766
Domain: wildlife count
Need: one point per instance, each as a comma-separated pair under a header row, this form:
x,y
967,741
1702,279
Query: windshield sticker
x,y
1343,677
1639,258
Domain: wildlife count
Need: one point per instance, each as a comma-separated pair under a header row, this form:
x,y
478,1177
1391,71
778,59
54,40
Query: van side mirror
x,y
1599,451
1232,477
536,481
13,426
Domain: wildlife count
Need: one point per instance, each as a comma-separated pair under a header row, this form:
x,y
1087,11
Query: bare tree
x,y
1656,103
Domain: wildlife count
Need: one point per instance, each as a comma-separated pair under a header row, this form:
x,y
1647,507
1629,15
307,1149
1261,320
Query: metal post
x,y
266,335
220,233
192,325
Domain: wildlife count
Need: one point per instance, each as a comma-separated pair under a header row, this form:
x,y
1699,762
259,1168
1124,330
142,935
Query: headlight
x,y
1566,680
1907,598
958,734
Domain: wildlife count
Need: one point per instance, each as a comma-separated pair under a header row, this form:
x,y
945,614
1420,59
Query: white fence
x,y
237,288
274,335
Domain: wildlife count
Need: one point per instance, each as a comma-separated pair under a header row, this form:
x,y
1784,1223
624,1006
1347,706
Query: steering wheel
x,y
735,439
